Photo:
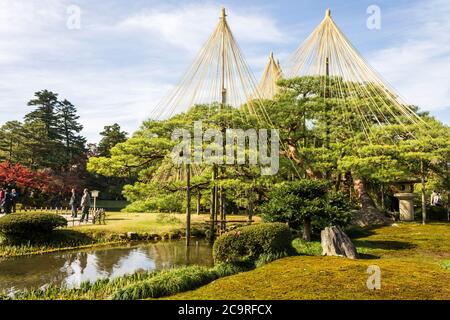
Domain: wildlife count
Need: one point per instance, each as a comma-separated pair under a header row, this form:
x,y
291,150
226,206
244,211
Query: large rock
x,y
336,243
369,217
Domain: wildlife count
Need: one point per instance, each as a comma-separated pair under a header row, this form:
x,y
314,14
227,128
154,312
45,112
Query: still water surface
x,y
72,268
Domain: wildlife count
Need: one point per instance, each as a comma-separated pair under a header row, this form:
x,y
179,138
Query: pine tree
x,y
46,102
112,135
11,142
70,128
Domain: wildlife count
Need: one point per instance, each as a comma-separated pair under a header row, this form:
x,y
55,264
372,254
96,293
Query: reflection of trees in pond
x,y
23,272
73,267
168,254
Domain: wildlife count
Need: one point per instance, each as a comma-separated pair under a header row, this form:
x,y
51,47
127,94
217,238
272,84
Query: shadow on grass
x,y
384,244
367,256
355,232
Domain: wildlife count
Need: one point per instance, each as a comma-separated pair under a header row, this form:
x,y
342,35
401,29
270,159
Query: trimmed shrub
x,y
26,227
247,244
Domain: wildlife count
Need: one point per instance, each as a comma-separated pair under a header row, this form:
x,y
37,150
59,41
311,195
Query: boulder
x,y
335,242
369,217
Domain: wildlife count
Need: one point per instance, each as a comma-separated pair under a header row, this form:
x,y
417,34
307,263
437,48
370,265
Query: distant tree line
x,y
49,143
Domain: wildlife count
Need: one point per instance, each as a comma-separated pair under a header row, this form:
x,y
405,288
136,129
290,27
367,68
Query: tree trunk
x,y
424,201
250,206
448,205
368,215
199,197
307,229
338,182
362,194
188,204
213,205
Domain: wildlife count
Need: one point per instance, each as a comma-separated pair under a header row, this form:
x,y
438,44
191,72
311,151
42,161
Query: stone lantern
x,y
406,200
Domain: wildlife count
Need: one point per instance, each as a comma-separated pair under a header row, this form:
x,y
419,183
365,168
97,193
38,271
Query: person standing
x,y
14,199
7,202
73,204
85,205
2,196
433,198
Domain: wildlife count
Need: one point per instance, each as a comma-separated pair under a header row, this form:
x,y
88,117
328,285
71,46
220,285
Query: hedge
x,y
22,227
250,243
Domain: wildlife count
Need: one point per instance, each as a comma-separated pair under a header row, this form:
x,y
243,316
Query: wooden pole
x,y
199,198
188,204
213,203
424,204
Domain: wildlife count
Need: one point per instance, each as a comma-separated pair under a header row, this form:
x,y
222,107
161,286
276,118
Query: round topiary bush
x,y
24,227
250,243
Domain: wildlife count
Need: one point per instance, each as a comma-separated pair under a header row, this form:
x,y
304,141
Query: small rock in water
x,y
335,242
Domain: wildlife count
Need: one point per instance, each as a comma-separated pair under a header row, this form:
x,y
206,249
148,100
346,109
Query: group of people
x,y
8,200
85,204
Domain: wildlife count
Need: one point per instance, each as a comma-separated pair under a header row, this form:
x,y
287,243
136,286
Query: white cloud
x,y
419,66
189,26
114,69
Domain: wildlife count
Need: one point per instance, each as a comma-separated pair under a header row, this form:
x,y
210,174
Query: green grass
x,y
446,264
137,286
98,290
307,248
118,223
410,257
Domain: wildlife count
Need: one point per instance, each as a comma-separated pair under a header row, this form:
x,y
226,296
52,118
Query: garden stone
x,y
369,217
335,242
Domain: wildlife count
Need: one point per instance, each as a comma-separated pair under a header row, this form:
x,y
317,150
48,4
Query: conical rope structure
x,y
219,74
272,73
348,78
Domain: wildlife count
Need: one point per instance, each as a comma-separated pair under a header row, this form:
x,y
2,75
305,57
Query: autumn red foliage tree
x,y
16,175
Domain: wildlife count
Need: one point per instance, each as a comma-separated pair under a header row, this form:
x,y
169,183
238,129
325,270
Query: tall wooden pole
x,y
327,75
424,203
224,101
188,204
199,198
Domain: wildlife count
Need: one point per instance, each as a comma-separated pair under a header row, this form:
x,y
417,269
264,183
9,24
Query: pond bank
x,y
71,269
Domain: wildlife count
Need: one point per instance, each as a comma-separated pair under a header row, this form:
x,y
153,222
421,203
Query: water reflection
x,y
73,268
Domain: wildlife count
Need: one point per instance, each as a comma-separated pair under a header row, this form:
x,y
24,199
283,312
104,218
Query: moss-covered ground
x,y
413,260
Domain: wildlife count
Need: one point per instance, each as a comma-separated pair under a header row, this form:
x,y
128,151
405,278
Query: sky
x,y
116,59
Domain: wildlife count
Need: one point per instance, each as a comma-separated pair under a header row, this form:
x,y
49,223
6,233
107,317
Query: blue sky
x,y
128,54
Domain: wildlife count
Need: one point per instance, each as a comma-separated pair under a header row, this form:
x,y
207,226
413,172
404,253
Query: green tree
x,y
301,203
12,141
46,103
112,135
70,130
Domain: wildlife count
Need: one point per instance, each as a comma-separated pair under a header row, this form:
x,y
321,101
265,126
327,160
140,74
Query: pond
x,y
74,267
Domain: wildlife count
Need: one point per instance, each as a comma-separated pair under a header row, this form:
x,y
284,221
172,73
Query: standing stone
x,y
336,243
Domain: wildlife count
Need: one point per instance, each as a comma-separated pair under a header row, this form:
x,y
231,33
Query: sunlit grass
x,y
412,258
